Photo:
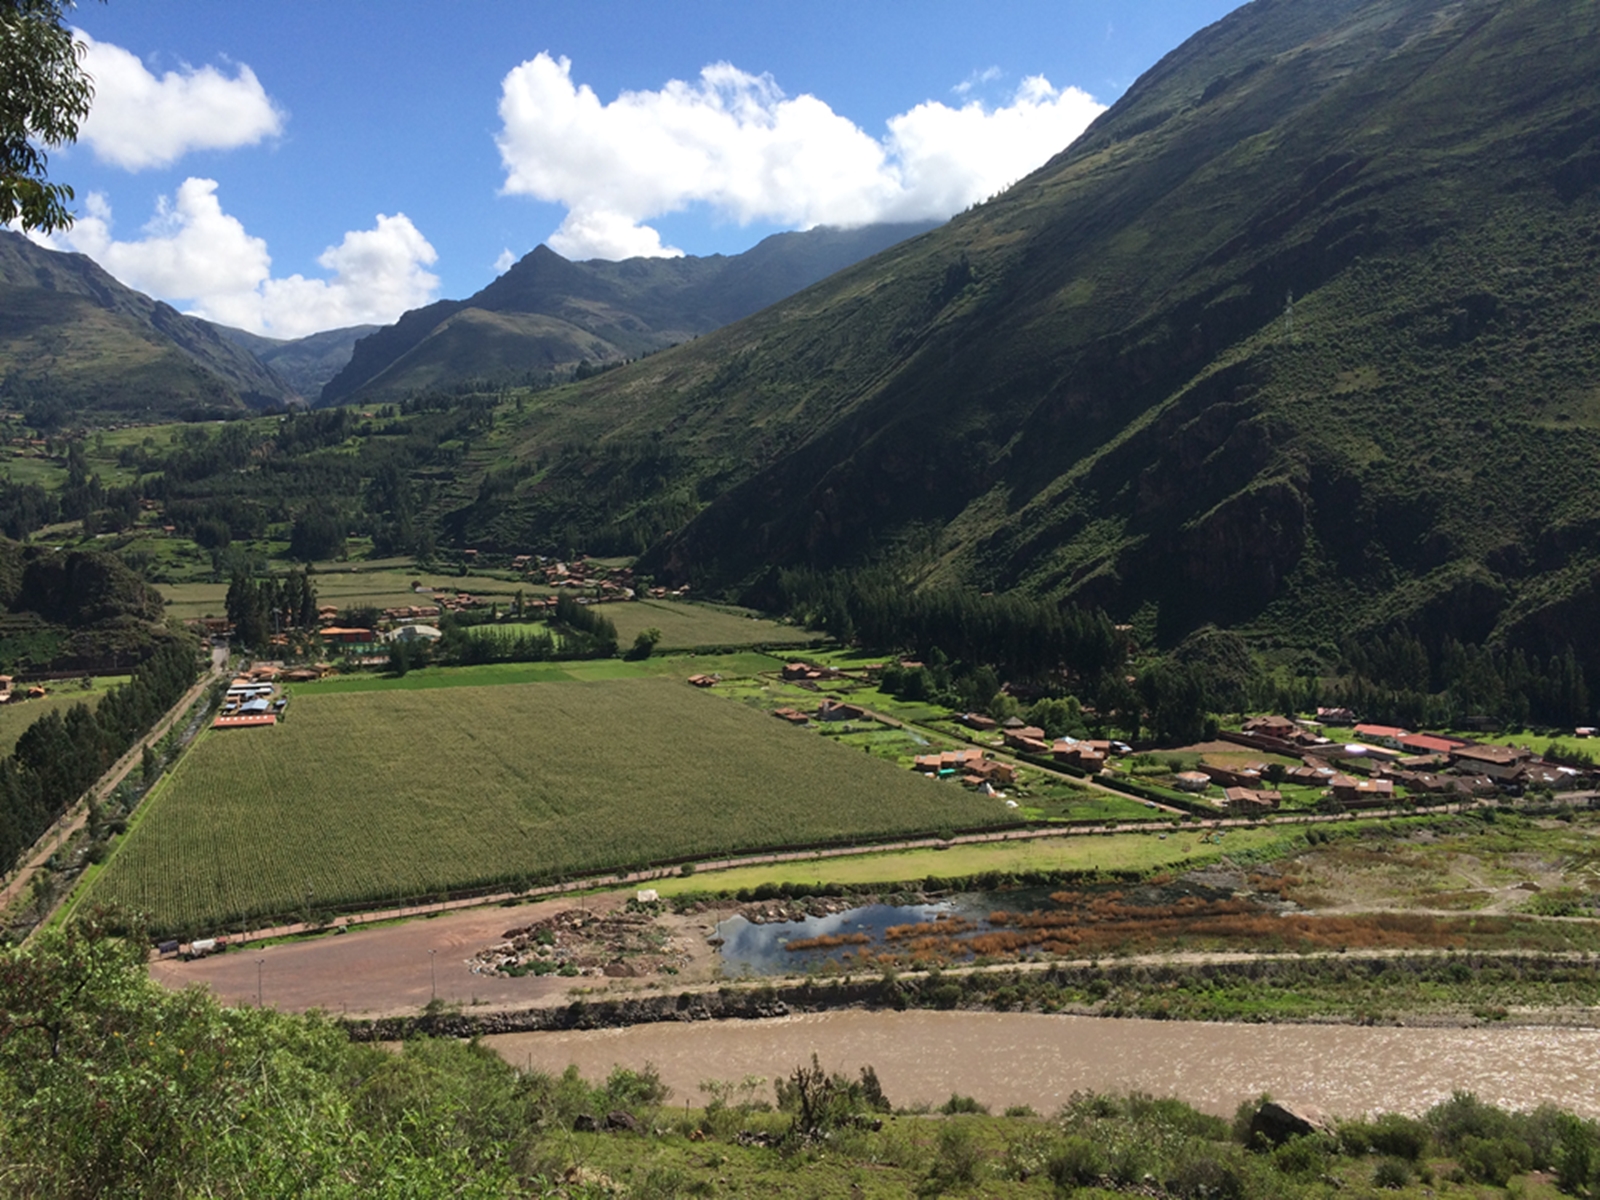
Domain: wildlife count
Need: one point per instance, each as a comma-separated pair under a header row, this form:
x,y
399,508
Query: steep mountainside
x,y
71,333
547,314
1301,337
307,363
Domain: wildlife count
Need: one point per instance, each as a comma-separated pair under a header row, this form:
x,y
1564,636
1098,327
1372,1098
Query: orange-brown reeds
x,y
829,941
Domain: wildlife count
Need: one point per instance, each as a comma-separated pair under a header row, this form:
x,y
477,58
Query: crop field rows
x,y
366,797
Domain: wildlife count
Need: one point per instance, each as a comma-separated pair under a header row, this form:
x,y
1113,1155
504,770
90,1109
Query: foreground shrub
x,y
822,1102
1493,1160
1391,1173
1076,1162
1209,1172
961,1104
1391,1134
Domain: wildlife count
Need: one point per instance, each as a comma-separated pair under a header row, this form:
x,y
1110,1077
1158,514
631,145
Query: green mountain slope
x,y
547,314
73,335
1301,337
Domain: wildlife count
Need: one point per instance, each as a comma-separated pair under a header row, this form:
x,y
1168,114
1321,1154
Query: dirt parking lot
x,y
395,969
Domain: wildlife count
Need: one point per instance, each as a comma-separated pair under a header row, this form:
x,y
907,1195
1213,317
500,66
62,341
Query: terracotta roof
x,y
1428,743
1382,731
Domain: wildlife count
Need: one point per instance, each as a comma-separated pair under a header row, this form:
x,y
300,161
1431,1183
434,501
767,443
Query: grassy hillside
x,y
72,335
1298,337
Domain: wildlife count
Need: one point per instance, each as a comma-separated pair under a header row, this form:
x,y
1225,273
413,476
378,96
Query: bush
x,y
1493,1160
960,1158
628,1089
1077,1162
961,1104
1463,1116
1301,1157
822,1103
1392,1135
1214,1173
1391,1173
1576,1155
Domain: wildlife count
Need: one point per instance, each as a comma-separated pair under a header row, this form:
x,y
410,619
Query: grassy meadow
x,y
63,694
1111,852
363,797
347,586
684,626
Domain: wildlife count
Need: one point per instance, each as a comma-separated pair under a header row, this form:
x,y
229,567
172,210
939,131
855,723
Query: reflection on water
x,y
764,949
1029,1058
751,949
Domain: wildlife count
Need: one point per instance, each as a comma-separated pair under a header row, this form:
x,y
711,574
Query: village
x,y
1329,763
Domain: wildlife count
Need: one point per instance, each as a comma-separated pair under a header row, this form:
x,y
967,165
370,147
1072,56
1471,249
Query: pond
x,y
962,927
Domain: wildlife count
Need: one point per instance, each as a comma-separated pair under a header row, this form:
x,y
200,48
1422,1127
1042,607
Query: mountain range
x,y
548,315
1301,337
71,334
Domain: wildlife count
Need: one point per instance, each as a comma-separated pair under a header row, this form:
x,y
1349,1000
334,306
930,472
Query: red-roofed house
x,y
1427,743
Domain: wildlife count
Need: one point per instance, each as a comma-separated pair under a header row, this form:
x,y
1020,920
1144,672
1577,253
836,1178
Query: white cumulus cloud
x,y
734,142
140,120
195,255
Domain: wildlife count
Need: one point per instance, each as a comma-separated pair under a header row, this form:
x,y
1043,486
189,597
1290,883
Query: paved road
x,y
74,818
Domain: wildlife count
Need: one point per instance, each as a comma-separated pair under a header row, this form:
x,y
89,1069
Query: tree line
x,y
1024,638
58,757
258,608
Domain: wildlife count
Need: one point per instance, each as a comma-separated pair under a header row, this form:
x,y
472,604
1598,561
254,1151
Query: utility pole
x,y
433,973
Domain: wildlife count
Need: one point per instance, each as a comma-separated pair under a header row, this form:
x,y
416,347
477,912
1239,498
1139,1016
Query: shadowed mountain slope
x,y
305,364
1301,337
71,334
546,314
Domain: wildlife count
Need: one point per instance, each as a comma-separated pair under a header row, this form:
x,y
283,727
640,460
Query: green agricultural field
x,y
592,670
684,626
1079,852
365,797
17,716
348,587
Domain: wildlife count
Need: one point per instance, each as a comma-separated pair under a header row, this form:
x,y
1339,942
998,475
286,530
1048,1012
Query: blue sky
x,y
287,167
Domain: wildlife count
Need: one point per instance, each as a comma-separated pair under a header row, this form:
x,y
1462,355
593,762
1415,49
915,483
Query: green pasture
x,y
361,798
348,586
1077,852
572,670
27,467
16,716
684,625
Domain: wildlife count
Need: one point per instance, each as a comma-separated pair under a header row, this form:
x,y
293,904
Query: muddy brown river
x,y
1024,1058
